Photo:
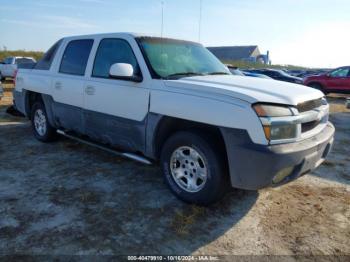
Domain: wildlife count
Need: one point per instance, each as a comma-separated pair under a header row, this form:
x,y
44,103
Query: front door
x,y
338,79
115,110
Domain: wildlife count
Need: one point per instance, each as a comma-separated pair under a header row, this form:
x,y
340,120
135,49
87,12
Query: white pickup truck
x,y
172,102
8,67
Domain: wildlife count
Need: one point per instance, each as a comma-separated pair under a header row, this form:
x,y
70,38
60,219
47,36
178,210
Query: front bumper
x,y
254,166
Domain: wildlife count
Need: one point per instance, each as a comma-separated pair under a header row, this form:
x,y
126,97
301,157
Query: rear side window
x,y
111,51
76,56
45,62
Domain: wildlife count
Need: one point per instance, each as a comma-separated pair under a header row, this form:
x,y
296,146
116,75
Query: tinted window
x,y
45,62
111,51
270,73
76,56
341,72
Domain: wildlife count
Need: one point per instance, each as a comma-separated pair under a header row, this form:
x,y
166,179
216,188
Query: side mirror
x,y
123,71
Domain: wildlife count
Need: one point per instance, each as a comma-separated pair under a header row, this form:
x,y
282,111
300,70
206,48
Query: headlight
x,y
276,121
264,110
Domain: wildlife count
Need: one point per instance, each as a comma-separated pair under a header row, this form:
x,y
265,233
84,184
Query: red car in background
x,y
335,81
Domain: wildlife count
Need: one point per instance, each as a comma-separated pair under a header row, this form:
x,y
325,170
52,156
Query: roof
x,y
117,34
233,52
125,35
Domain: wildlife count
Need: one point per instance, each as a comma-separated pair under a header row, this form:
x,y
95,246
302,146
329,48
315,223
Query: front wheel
x,y
194,169
42,129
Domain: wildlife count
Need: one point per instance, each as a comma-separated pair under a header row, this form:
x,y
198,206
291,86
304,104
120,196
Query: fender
x,y
24,105
48,102
236,114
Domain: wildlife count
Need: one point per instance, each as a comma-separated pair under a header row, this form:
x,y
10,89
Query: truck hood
x,y
247,88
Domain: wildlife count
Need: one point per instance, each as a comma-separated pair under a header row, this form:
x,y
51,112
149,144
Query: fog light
x,y
282,175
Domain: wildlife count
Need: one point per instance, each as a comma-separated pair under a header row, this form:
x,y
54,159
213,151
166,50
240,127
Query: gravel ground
x,y
66,198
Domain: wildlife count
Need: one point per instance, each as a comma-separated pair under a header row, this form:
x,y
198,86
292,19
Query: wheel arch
x,y
163,127
313,82
31,97
29,100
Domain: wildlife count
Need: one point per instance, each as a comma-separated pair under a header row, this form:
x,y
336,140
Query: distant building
x,y
244,53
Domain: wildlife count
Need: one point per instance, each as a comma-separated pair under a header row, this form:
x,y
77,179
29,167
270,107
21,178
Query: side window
x,y
111,51
76,56
45,62
341,72
270,73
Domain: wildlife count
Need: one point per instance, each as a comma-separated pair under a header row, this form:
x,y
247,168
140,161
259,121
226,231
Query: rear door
x,y
116,110
69,82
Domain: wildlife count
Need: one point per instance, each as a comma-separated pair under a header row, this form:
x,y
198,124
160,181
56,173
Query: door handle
x,y
58,85
90,90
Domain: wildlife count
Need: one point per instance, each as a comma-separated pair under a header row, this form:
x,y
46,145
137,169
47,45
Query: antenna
x,y
162,24
200,20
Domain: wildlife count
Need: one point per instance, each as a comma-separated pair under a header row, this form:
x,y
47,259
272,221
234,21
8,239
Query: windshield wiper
x,y
218,73
184,74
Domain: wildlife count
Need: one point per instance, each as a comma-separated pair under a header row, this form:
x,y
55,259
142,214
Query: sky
x,y
311,33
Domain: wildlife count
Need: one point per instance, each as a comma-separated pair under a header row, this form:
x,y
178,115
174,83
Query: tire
x,y
318,87
198,156
41,127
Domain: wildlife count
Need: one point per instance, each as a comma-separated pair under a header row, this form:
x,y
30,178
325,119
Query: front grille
x,y
309,105
305,127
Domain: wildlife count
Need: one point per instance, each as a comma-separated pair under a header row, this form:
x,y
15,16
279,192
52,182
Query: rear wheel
x,y
42,129
193,169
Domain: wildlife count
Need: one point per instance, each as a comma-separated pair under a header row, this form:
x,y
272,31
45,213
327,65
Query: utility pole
x,y
200,20
162,24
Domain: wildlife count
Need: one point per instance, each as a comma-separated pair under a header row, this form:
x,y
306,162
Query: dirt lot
x,y
67,198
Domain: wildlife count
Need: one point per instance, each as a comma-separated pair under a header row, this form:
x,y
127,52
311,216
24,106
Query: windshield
x,y
168,58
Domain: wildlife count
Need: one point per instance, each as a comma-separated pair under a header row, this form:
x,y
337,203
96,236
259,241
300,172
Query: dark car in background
x,y
277,75
335,81
246,73
236,71
295,72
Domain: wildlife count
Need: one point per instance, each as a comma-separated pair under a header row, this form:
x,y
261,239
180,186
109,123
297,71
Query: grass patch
x,y
5,53
184,220
63,196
